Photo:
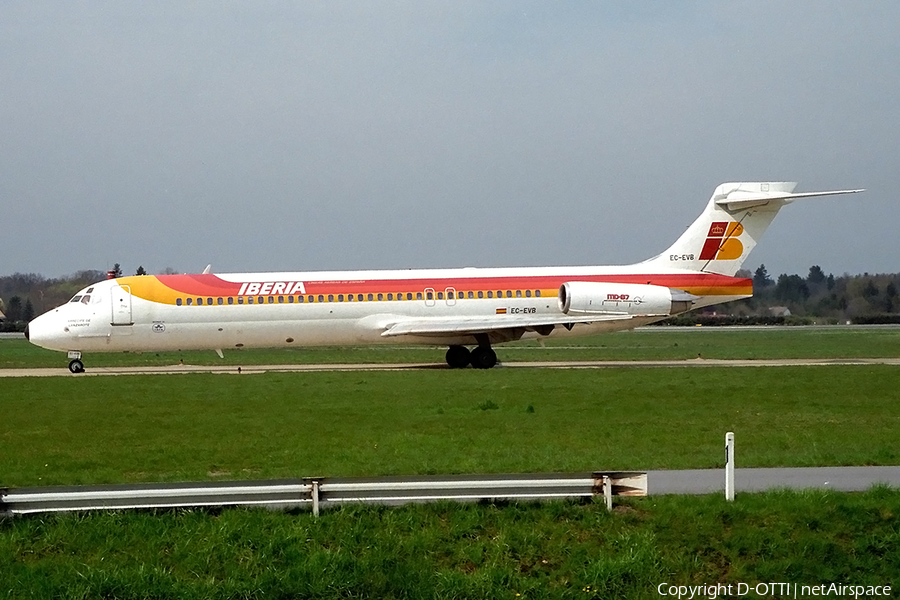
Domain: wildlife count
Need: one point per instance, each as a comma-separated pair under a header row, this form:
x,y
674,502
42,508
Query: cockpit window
x,y
75,299
89,290
86,299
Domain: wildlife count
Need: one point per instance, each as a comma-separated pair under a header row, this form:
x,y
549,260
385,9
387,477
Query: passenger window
x,y
449,295
537,293
370,297
471,295
380,297
230,300
518,293
249,299
271,299
199,301
390,296
178,302
331,297
508,293
190,301
240,299
490,294
219,301
429,296
340,297
300,299
290,299
418,295
321,298
280,299
409,295
440,295
528,293
480,294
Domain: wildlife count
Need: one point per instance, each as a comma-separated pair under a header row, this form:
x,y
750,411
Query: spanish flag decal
x,y
501,311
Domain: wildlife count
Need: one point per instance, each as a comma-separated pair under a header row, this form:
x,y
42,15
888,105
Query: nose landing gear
x,y
75,364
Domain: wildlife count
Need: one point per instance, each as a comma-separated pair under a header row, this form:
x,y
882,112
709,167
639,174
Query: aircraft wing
x,y
441,326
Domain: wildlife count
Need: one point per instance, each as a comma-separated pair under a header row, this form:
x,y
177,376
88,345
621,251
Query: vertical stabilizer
x,y
733,222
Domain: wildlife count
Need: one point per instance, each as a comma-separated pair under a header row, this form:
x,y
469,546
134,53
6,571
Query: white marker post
x,y
607,491
729,466
315,497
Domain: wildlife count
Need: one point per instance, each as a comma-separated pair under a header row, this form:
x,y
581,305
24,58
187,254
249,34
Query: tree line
x,y
24,296
816,298
786,299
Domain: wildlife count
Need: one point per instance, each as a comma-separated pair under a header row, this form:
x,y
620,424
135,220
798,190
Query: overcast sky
x,y
265,136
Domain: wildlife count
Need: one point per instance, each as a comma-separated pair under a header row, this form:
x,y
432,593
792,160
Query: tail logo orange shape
x,y
722,243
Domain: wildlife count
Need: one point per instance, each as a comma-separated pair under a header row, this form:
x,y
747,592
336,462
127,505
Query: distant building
x,y
779,311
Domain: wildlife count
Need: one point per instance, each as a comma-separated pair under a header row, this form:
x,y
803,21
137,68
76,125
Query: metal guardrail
x,y
318,492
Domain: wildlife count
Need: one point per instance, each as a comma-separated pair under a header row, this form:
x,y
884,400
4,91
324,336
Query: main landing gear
x,y
482,357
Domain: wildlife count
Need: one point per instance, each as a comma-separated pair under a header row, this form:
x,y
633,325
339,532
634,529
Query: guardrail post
x,y
729,466
607,491
315,497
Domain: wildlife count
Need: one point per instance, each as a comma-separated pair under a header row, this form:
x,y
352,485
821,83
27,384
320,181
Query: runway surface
x,y
251,369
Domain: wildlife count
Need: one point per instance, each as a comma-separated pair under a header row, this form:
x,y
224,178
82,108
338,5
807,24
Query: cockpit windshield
x,y
84,296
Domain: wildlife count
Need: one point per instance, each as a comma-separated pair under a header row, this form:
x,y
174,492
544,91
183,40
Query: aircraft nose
x,y
45,331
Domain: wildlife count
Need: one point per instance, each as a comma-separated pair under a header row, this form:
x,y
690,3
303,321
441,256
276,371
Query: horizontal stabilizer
x,y
740,199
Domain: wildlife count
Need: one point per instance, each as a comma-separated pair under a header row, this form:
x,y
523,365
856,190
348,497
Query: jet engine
x,y
589,298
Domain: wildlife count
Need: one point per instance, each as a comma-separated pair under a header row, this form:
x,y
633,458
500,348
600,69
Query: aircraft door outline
x,y
120,295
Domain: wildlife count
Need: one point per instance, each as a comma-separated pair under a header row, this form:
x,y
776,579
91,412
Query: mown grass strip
x,y
197,427
555,550
648,344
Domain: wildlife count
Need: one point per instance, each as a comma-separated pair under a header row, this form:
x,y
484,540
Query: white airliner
x,y
451,307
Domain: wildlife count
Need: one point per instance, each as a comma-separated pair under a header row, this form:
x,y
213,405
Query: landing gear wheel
x,y
483,357
458,357
76,366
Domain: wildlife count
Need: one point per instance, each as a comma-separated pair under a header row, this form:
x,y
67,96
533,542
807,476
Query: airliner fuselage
x,y
451,307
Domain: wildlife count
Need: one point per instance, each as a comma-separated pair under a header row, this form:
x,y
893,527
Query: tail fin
x,y
734,220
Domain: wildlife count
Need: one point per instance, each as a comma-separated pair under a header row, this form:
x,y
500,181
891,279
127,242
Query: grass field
x,y
647,344
556,550
64,430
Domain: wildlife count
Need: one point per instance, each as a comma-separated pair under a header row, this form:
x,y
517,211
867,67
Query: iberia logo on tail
x,y
722,243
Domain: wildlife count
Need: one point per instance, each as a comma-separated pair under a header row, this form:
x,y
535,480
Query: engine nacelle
x,y
591,298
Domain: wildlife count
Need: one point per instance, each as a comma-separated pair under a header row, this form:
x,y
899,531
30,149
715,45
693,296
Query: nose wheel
x,y
76,366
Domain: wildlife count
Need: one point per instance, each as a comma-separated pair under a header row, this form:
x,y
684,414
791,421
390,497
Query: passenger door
x,y
121,305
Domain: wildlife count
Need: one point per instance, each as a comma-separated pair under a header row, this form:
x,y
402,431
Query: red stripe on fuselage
x,y
697,283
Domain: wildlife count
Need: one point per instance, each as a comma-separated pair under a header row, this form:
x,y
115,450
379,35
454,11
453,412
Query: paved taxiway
x,y
583,364
706,481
